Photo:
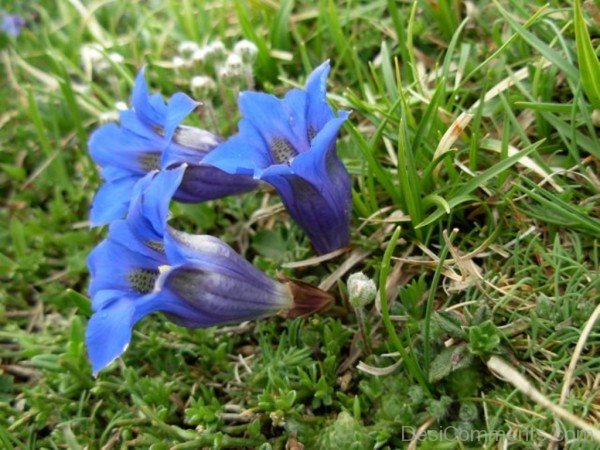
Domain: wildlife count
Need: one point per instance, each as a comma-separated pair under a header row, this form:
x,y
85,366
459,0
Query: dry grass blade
x,y
355,257
316,260
509,374
415,440
378,371
585,334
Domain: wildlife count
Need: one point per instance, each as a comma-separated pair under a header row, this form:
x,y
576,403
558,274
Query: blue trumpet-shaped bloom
x,y
290,143
150,137
144,267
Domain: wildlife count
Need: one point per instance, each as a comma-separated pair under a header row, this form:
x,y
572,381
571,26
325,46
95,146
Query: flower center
x,y
142,280
282,151
150,161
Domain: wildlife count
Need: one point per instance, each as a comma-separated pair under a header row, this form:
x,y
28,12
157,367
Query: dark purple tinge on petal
x,y
215,298
327,225
322,211
202,182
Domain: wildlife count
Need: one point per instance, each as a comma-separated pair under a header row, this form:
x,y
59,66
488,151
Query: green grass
x,y
488,245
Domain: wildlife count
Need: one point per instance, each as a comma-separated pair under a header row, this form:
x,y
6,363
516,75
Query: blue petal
x,y
131,122
316,83
179,107
150,202
316,191
113,173
318,111
203,182
275,118
245,153
296,102
150,109
122,233
313,165
108,333
176,309
327,228
111,145
110,265
175,155
111,201
105,297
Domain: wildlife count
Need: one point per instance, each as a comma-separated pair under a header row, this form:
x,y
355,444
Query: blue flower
x,y
196,280
150,137
12,24
290,143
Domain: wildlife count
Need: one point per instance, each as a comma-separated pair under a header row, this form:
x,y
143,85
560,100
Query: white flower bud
x,y
187,48
234,63
116,58
199,55
361,289
203,86
227,76
178,62
215,51
91,53
247,50
92,59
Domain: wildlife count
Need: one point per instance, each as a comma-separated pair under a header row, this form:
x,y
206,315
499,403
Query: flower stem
x,y
429,307
360,319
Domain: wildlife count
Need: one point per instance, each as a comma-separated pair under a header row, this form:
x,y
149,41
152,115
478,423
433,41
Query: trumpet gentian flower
x,y
144,266
150,137
290,143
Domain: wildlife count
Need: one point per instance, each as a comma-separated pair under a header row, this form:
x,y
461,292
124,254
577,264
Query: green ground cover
x,y
474,151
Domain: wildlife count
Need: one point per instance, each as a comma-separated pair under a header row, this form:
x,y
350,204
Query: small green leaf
x,y
449,360
17,233
269,244
484,338
80,301
450,323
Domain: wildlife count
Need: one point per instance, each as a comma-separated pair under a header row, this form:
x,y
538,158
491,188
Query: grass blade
x,y
589,66
462,194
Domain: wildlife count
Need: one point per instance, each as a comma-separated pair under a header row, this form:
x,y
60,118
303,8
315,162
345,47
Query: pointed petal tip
x,y
317,79
108,334
97,367
343,114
